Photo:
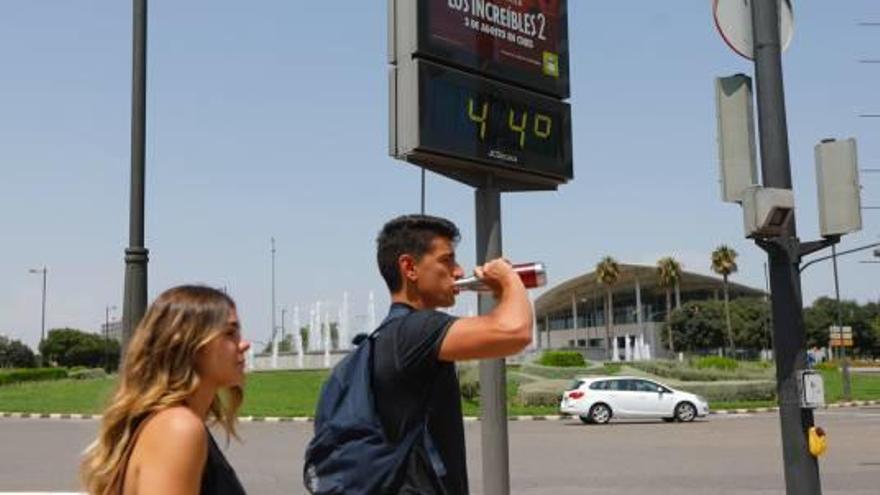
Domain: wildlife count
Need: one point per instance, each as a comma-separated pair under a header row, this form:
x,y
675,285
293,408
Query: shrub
x,y
87,374
562,359
31,375
612,368
560,373
733,392
827,366
541,393
716,362
685,373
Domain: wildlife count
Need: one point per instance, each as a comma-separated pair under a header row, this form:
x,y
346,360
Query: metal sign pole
x,y
493,391
801,468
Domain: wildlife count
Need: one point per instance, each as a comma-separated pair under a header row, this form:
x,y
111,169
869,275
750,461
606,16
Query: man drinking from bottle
x,y
413,369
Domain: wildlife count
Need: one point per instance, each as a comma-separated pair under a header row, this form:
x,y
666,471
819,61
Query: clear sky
x,y
270,119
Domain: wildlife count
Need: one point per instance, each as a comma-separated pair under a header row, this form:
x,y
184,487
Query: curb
x,y
467,419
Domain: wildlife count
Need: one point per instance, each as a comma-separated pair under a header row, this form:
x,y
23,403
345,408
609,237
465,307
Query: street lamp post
x,y
42,271
107,310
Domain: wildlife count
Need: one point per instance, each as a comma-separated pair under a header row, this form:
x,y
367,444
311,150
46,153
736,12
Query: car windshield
x,y
576,384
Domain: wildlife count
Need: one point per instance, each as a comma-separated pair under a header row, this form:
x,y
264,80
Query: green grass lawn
x,y
295,393
60,396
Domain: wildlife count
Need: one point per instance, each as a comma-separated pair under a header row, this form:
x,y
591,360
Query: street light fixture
x,y
42,271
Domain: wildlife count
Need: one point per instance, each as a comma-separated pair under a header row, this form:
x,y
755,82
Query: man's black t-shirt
x,y
406,368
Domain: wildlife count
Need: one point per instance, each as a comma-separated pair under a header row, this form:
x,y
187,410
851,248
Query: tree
x,y
822,314
304,333
701,325
724,264
15,354
669,273
697,326
607,273
72,347
750,317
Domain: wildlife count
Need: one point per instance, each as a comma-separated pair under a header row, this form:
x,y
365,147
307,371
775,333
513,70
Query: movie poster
x,y
521,41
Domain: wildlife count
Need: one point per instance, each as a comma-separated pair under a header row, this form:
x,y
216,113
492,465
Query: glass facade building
x,y
572,314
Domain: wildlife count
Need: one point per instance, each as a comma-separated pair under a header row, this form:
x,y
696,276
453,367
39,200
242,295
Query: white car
x,y
598,399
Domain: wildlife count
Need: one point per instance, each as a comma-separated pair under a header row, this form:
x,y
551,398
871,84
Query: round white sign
x,y
733,18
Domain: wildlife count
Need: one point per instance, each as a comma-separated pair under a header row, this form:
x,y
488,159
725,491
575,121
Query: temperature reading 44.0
x,y
519,123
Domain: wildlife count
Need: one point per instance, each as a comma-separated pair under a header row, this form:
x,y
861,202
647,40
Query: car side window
x,y
620,385
644,386
601,385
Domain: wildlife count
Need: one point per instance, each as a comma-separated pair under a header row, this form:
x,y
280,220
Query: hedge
x,y
717,362
87,374
542,393
685,373
8,377
562,373
562,359
733,392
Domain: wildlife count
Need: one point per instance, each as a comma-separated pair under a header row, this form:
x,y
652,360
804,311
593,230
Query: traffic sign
x,y
733,19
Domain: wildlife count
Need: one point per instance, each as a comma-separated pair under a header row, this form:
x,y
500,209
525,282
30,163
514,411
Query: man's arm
x,y
504,331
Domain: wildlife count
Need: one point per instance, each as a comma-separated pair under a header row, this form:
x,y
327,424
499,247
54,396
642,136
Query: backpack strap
x,y
397,311
400,311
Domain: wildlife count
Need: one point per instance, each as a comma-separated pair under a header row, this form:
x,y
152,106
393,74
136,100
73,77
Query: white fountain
x,y
371,313
328,342
297,338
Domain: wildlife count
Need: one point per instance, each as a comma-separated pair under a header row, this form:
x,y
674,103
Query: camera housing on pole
x,y
767,211
736,136
837,178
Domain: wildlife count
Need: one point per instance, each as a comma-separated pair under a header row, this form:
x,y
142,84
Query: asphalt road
x,y
721,455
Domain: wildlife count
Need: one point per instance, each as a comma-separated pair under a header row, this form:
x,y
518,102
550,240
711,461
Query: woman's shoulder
x,y
174,429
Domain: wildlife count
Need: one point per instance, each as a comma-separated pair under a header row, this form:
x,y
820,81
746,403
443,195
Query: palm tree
x,y
669,273
724,264
607,273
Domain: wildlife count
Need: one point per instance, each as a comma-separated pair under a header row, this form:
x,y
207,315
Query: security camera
x,y
766,211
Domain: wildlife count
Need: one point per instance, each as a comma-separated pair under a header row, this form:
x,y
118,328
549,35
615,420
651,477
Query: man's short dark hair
x,y
409,234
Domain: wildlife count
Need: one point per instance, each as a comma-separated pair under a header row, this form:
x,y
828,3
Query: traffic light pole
x,y
784,255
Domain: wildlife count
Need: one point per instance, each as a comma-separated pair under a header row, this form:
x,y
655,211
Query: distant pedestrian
x,y
184,367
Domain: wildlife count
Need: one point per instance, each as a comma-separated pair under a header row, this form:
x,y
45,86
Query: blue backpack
x,y
350,453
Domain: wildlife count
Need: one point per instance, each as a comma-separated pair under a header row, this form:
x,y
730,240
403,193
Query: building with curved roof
x,y
572,315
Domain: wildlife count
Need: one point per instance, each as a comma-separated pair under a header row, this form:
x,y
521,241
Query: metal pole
x,y
281,340
423,191
847,384
107,338
136,256
801,468
493,391
43,317
768,298
274,328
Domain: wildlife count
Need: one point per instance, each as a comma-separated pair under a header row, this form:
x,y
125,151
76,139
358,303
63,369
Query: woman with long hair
x,y
184,368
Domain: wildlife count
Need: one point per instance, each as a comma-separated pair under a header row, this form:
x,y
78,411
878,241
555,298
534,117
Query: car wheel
x,y
585,420
668,420
600,414
685,412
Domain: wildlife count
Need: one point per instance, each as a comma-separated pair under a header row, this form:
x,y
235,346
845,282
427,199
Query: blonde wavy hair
x,y
159,372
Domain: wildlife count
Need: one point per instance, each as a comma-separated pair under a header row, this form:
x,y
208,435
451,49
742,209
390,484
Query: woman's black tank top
x,y
218,477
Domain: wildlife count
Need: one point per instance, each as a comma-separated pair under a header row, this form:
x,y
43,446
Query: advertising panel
x,y
524,42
